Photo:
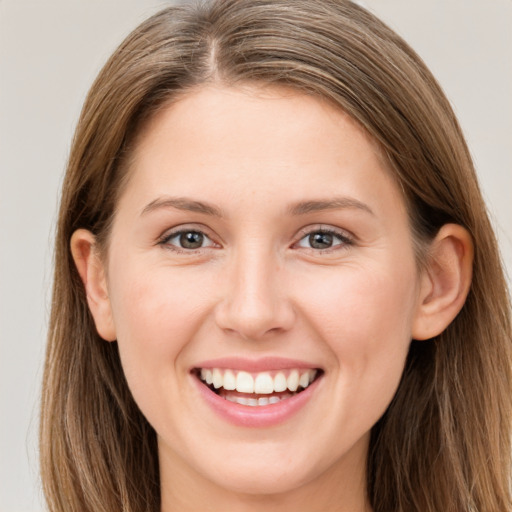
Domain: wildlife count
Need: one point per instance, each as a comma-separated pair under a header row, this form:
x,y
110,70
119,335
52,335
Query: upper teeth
x,y
262,383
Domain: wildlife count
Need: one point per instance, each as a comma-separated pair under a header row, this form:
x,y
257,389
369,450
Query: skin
x,y
258,288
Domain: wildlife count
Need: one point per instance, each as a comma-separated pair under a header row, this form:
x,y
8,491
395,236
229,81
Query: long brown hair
x,y
444,444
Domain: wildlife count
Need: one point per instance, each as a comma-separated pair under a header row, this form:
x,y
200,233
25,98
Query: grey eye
x,y
320,240
191,240
188,239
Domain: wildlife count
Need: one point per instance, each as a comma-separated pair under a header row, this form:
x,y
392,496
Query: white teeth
x,y
244,383
280,383
207,375
293,380
262,383
229,380
253,401
303,381
218,381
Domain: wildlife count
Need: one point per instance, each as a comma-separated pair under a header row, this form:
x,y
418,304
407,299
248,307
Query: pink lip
x,y
258,416
255,365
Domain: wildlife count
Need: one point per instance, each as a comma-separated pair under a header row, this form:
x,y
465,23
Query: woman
x,y
265,203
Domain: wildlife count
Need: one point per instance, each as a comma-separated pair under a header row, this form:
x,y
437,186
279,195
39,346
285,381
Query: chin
x,y
274,479
264,468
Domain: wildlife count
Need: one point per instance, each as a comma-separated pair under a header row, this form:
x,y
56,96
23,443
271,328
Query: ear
x,y
445,281
92,272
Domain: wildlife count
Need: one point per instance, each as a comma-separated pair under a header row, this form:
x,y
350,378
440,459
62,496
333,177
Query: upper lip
x,y
256,365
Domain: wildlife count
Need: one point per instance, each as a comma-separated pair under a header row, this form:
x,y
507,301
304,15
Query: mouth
x,y
257,389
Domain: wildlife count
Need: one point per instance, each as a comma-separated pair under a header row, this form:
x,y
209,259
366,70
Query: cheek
x,y
155,315
365,317
154,304
359,302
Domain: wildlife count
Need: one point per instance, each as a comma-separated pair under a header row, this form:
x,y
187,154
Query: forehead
x,y
244,107
255,141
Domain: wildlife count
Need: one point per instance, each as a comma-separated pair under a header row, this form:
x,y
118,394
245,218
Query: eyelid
x,y
346,237
185,228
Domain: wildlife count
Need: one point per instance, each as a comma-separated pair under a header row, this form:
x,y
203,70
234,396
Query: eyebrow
x,y
182,203
300,208
306,207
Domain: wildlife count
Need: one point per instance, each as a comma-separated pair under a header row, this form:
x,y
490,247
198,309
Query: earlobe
x,y
92,272
445,282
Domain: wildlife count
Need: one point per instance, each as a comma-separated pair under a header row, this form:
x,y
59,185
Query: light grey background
x,y
49,54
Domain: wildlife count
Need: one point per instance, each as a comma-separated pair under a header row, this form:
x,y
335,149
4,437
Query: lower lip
x,y
256,416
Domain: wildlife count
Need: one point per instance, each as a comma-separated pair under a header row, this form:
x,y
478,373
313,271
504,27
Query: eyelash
x,y
166,238
344,240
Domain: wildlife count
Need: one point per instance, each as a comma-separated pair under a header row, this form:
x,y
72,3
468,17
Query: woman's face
x,y
260,240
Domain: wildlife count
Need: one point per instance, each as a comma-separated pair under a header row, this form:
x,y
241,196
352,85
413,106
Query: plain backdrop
x,y
49,54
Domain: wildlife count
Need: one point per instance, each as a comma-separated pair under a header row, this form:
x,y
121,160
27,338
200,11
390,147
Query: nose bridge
x,y
255,300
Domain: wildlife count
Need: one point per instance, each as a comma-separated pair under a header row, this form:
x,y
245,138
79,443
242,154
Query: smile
x,y
257,389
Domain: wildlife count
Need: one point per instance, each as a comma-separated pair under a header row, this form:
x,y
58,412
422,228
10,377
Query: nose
x,y
254,300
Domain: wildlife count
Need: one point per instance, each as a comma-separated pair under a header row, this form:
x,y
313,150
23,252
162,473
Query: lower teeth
x,y
256,401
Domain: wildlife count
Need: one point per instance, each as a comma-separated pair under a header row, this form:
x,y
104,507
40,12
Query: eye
x,y
187,239
323,239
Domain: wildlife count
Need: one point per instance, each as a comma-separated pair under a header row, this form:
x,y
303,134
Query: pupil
x,y
320,240
191,240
